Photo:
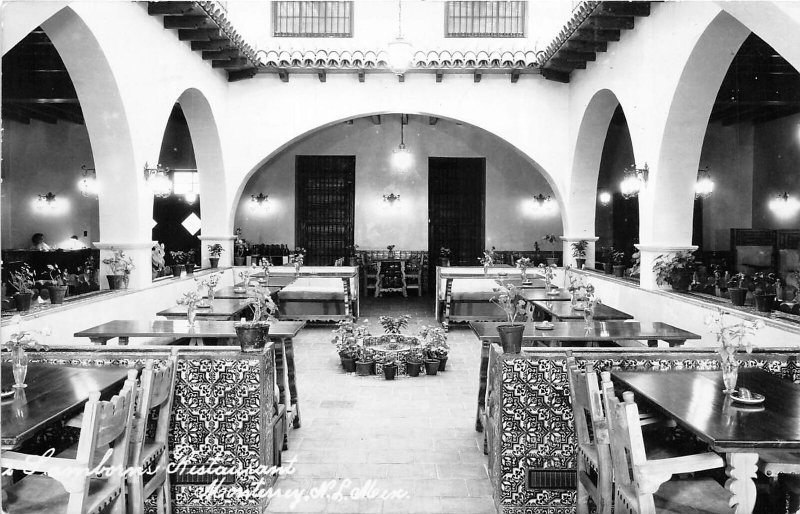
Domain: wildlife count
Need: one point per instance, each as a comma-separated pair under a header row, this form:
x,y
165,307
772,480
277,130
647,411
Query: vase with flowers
x,y
577,292
190,299
549,272
488,260
58,286
22,280
507,297
210,283
121,266
730,339
298,258
523,263
591,303
21,342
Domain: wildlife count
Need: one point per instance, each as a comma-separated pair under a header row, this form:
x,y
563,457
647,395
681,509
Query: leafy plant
x,y
388,359
414,355
390,248
264,308
215,250
365,354
25,339
444,252
618,258
669,269
56,275
22,279
551,239
737,280
732,337
119,263
190,298
393,325
523,263
298,257
435,342
765,283
549,271
579,248
507,297
180,257
489,257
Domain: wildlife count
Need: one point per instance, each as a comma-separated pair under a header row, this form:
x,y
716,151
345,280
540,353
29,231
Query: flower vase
x,y
524,275
19,362
485,269
191,314
211,293
730,373
588,316
297,268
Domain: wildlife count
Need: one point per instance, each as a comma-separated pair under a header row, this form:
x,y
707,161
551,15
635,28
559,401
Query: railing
x,y
312,19
485,19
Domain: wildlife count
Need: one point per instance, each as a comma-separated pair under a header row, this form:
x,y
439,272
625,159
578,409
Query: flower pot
x,y
442,363
116,281
608,268
57,293
189,269
511,337
176,270
764,302
364,368
253,336
431,366
214,261
238,261
580,262
23,301
444,261
413,368
619,270
738,294
681,281
349,364
552,261
389,371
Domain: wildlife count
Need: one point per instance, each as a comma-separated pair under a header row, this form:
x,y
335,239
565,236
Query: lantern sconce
x,y
635,180
704,185
47,201
541,204
259,202
158,180
604,197
391,198
784,205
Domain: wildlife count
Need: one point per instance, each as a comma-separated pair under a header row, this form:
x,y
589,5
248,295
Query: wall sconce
x,y
604,198
784,205
541,204
391,198
705,184
158,180
88,184
401,156
47,201
259,202
635,180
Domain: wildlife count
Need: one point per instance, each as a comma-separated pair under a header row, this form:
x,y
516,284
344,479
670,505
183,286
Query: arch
x,y
236,199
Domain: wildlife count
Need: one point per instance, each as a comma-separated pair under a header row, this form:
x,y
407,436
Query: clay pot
x,y
511,337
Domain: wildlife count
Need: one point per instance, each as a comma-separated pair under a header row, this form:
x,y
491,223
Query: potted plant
x,y
389,365
214,252
239,249
254,334
22,279
736,289
444,256
413,360
393,325
58,289
346,338
190,299
551,240
676,270
188,265
21,342
435,344
179,258
508,298
618,260
488,260
391,251
764,292
121,266
365,361
579,252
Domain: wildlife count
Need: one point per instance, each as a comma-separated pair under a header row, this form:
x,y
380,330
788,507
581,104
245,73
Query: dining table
x,y
696,401
211,331
564,311
53,392
574,333
220,309
238,292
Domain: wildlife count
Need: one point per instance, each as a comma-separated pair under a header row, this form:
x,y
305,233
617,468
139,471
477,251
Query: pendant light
x,y
399,51
401,157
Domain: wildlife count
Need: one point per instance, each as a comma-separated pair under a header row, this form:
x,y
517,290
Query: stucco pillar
x,y
567,248
139,252
226,258
648,254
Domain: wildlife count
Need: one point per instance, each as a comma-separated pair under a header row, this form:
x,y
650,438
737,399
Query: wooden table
x,y
53,392
221,309
348,275
694,399
281,332
563,311
575,333
229,293
540,295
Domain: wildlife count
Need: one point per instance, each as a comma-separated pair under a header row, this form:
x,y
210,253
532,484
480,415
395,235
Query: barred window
x,y
485,19
312,19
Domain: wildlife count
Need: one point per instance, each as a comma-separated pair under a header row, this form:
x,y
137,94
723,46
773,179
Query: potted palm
x,y
22,280
435,345
254,334
393,325
764,292
551,240
676,270
121,266
58,288
736,289
618,261
579,252
508,298
214,252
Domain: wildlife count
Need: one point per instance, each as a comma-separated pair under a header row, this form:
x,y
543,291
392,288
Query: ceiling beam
x,y
214,44
404,119
555,75
199,34
376,119
322,76
283,75
188,22
23,101
361,76
35,114
236,75
622,9
567,65
773,114
439,76
65,113
514,76
401,78
476,77
13,114
433,120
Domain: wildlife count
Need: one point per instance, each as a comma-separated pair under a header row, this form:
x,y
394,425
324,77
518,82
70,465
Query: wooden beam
x,y
597,35
188,22
572,55
214,44
156,8
439,76
322,75
199,34
66,113
212,55
774,114
401,78
376,119
236,75
433,120
361,76
555,75
609,22
229,63
284,75
476,77
514,76
585,46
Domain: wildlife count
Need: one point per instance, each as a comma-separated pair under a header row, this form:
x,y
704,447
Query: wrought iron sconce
x,y
705,184
87,185
259,202
391,198
784,205
635,180
47,201
158,180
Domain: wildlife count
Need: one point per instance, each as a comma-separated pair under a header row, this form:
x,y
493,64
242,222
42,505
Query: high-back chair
x,y
72,486
644,486
593,445
156,393
414,266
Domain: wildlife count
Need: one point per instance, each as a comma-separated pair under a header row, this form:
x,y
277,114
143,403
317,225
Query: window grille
x,y
485,19
312,19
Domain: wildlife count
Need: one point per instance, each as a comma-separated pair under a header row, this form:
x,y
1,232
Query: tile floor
x,y
414,436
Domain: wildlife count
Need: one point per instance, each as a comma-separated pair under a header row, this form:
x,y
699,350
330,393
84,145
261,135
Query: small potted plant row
x,y
214,253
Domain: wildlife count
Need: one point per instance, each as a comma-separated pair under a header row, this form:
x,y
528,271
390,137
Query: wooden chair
x,y
783,471
69,485
370,273
594,457
414,266
642,485
156,394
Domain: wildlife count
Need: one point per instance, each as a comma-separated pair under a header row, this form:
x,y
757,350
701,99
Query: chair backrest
x,y
156,392
339,262
587,405
106,427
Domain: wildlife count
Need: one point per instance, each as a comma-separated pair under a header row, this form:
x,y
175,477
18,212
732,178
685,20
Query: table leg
x,y
652,343
100,340
482,384
123,340
676,342
289,344
741,471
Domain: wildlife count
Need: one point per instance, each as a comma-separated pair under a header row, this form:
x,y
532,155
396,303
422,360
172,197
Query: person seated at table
x,y
37,243
159,266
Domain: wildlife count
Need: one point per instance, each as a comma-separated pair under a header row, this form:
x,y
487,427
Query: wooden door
x,y
325,193
456,204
